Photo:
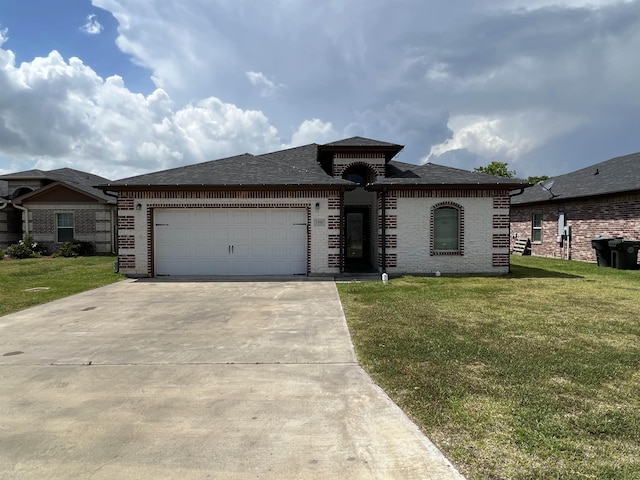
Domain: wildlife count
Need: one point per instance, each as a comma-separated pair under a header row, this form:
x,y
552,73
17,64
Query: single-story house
x,y
55,206
345,206
561,216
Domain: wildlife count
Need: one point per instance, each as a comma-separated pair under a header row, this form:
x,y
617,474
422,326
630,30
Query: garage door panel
x,y
230,241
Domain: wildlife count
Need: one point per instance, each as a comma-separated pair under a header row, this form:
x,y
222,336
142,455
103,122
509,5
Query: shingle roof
x,y
431,174
360,142
83,181
295,166
301,167
617,175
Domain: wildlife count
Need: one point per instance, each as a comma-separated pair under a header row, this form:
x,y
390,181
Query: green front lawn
x,y
52,278
530,376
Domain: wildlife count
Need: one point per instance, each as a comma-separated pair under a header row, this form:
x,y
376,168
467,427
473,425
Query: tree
x,y
499,169
535,179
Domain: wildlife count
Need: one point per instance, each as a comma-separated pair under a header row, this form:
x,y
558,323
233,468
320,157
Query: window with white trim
x,y
64,227
536,227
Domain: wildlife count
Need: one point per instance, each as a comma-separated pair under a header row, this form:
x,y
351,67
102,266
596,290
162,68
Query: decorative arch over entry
x,y
359,172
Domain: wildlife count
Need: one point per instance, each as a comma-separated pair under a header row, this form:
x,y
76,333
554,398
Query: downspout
x,y
384,230
342,224
114,229
25,218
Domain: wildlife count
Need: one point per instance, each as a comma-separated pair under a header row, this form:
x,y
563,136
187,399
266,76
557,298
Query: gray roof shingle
x,y
362,142
302,166
431,174
295,166
83,181
617,175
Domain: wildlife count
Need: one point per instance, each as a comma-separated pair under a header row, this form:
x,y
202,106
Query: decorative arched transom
x,y
359,172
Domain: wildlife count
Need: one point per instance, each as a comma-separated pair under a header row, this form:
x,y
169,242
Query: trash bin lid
x,y
630,246
601,242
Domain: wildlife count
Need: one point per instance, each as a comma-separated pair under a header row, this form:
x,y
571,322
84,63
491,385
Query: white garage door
x,y
230,241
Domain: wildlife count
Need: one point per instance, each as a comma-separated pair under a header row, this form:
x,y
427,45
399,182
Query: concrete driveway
x,y
197,380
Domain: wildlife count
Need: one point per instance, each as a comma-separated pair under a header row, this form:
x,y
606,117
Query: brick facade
x,y
91,223
484,231
484,228
136,247
611,216
374,162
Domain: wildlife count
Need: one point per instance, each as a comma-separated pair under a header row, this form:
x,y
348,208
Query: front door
x,y
357,238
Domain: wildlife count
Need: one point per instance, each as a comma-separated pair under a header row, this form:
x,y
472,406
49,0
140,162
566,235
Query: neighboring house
x,y
602,200
55,206
313,210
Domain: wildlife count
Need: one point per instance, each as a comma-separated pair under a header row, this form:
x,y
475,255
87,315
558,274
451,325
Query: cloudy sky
x,y
121,87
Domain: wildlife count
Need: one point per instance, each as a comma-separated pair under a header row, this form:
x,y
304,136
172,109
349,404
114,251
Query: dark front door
x,y
357,238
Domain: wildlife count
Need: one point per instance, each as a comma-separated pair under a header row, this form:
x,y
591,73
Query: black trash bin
x,y
624,254
603,250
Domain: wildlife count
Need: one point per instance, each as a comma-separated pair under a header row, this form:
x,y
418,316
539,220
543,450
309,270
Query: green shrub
x,y
76,248
34,246
1,254
21,250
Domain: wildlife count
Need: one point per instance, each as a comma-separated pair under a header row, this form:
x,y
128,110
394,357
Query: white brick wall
x,y
413,238
413,221
319,250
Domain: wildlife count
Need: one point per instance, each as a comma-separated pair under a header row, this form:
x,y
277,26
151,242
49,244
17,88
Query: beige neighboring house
x,y
55,206
346,206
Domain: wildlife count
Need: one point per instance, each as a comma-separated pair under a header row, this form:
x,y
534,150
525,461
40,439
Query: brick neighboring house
x,y
602,200
55,206
345,206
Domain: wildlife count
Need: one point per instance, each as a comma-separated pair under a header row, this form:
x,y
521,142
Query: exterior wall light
x,y
138,206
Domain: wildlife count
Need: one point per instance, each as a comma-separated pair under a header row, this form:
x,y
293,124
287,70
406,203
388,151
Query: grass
x,y
60,276
534,375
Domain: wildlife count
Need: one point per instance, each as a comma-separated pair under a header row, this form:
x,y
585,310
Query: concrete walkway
x,y
197,380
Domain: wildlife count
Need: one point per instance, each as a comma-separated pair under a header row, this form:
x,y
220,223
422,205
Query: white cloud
x,y
92,26
500,78
505,137
267,87
313,131
59,112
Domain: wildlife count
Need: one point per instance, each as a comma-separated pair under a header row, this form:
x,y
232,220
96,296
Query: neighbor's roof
x,y
83,181
618,175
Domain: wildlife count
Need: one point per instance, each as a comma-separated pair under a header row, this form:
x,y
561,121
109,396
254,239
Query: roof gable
x,y
59,193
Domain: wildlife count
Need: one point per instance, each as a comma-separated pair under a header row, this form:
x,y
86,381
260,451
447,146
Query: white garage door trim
x,y
230,241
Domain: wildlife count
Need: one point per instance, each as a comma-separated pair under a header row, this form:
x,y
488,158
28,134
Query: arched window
x,y
359,173
446,229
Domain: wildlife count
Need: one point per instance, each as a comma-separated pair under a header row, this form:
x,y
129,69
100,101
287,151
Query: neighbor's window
x,y
536,231
446,229
64,227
